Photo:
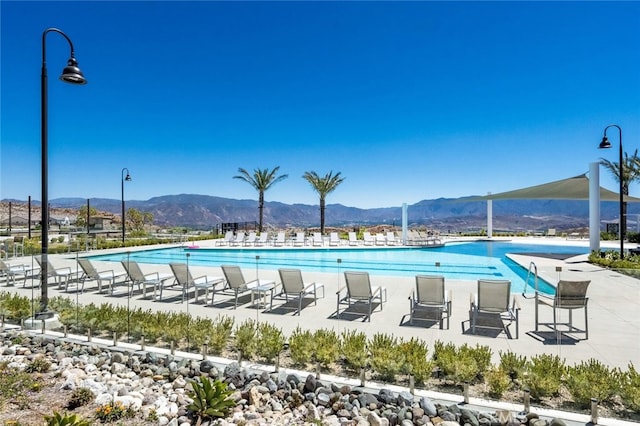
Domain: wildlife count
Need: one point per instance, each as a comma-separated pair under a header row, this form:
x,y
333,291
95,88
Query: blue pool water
x,y
458,260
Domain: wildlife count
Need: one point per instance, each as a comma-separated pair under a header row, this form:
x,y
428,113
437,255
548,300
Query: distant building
x,y
100,222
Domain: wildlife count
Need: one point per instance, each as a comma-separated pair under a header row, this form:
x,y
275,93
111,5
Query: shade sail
x,y
575,188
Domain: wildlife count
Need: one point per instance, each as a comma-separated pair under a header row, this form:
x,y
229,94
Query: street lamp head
x,y
128,177
72,74
605,143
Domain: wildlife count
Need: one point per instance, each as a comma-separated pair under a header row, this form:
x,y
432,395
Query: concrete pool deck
x,y
614,300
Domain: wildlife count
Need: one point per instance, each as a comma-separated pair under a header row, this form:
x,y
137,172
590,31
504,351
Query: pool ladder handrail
x,y
533,266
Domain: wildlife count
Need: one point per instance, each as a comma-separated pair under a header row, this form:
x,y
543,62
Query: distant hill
x,y
459,214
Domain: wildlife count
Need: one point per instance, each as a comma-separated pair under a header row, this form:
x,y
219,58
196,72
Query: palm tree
x,y
323,186
630,173
261,180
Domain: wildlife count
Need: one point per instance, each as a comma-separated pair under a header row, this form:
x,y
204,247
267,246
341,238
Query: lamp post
x,y
71,74
606,144
128,179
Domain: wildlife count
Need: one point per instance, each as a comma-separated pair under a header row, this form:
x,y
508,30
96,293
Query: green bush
x,y
220,334
39,365
460,364
386,357
353,347
80,397
512,364
630,388
113,411
58,419
210,400
592,379
301,347
270,341
498,381
415,360
544,375
245,341
326,347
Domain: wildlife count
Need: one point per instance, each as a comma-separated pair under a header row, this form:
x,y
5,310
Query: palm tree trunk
x,y
322,215
261,207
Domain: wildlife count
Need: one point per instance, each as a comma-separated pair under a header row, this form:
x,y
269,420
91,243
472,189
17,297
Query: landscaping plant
x,y
301,346
326,347
245,341
415,360
386,357
270,342
544,375
58,419
210,400
592,379
354,351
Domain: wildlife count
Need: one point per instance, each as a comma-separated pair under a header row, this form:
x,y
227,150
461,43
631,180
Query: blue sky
x,y
409,101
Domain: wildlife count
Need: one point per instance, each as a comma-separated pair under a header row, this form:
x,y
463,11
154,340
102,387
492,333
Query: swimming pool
x,y
458,260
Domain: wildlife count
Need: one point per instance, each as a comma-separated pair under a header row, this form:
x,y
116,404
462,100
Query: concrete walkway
x,y
614,305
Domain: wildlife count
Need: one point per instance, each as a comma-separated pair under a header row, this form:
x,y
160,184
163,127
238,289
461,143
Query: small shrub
x,y
353,347
498,380
210,399
39,365
220,334
512,364
326,347
415,360
270,341
544,375
386,357
80,397
630,388
246,339
113,411
58,419
591,379
301,346
15,385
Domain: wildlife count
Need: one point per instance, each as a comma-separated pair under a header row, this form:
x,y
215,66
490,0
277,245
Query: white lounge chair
x,y
353,239
62,275
380,239
228,237
251,239
137,277
493,299
236,283
429,295
12,272
390,239
239,239
317,239
293,286
281,239
358,290
334,239
185,281
263,240
369,240
89,273
299,240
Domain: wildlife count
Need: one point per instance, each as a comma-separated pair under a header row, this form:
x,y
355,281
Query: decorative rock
x,y
311,383
428,406
405,399
387,396
468,417
557,422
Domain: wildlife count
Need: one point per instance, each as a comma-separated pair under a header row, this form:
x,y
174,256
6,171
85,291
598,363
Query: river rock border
x,y
147,381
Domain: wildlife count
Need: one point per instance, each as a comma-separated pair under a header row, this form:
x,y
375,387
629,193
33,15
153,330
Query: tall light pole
x,y
71,74
606,144
128,179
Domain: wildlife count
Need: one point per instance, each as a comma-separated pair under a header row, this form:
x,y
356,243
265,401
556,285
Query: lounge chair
x,y
429,295
299,240
228,237
89,273
185,281
293,286
281,239
239,239
493,299
263,240
369,240
353,239
391,238
251,239
135,276
236,283
569,295
13,272
317,239
62,275
334,239
380,239
358,290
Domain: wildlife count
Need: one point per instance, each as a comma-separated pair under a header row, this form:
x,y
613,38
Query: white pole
x,y
594,206
404,224
489,217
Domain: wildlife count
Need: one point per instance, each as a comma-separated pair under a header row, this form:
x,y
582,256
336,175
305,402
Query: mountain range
x,y
448,214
